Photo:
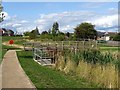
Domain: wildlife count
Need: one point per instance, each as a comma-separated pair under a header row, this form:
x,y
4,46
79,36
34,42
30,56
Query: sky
x,y
26,16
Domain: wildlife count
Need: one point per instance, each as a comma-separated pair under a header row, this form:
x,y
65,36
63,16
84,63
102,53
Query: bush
x,y
117,37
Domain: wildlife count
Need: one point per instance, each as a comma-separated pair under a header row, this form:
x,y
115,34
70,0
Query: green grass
x,y
7,38
109,48
4,50
4,47
44,77
20,42
17,40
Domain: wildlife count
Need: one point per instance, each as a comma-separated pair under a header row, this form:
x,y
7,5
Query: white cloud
x,y
16,25
24,21
106,21
67,21
113,11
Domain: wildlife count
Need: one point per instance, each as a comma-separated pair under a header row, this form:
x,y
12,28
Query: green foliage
x,y
37,31
49,31
46,36
32,34
59,38
55,29
44,77
93,57
68,34
44,32
117,63
117,37
85,31
77,57
26,33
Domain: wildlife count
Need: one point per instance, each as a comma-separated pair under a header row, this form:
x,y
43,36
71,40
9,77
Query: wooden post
x,y
83,45
69,44
96,45
62,46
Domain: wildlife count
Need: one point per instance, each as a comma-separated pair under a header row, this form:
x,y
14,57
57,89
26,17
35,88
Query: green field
x,y
44,77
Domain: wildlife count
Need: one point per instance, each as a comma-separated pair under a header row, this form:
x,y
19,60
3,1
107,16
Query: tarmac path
x,y
13,76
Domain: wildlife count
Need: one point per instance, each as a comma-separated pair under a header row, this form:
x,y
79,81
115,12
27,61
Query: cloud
x,y
93,5
16,25
113,11
67,21
12,22
24,21
106,22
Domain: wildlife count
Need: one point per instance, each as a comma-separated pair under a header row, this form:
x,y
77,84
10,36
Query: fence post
x,y
62,46
69,43
96,45
83,45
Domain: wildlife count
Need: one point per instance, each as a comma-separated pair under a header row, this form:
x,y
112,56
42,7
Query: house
x,y
6,32
106,36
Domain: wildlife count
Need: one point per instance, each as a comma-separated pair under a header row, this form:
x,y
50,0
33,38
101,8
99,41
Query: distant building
x,y
105,35
6,32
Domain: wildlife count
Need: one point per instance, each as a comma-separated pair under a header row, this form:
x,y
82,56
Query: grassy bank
x,y
44,77
93,65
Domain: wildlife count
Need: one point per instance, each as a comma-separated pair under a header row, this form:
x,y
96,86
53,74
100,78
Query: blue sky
x,y
25,16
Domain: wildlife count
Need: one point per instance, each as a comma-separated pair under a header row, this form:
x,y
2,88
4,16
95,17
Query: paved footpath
x,y
13,75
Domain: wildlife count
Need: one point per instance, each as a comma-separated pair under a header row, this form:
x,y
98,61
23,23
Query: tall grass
x,y
92,65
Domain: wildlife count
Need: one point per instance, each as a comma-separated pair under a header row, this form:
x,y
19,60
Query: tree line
x,y
81,32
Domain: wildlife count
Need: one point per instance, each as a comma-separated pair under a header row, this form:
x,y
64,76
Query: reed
x,y
93,66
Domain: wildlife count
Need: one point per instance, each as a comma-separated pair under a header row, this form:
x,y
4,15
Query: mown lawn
x,y
17,40
44,77
7,38
4,50
111,49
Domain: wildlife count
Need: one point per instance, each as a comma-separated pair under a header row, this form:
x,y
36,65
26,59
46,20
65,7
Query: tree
x,y
37,31
33,34
55,29
1,14
117,37
26,33
85,31
49,31
44,32
68,34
